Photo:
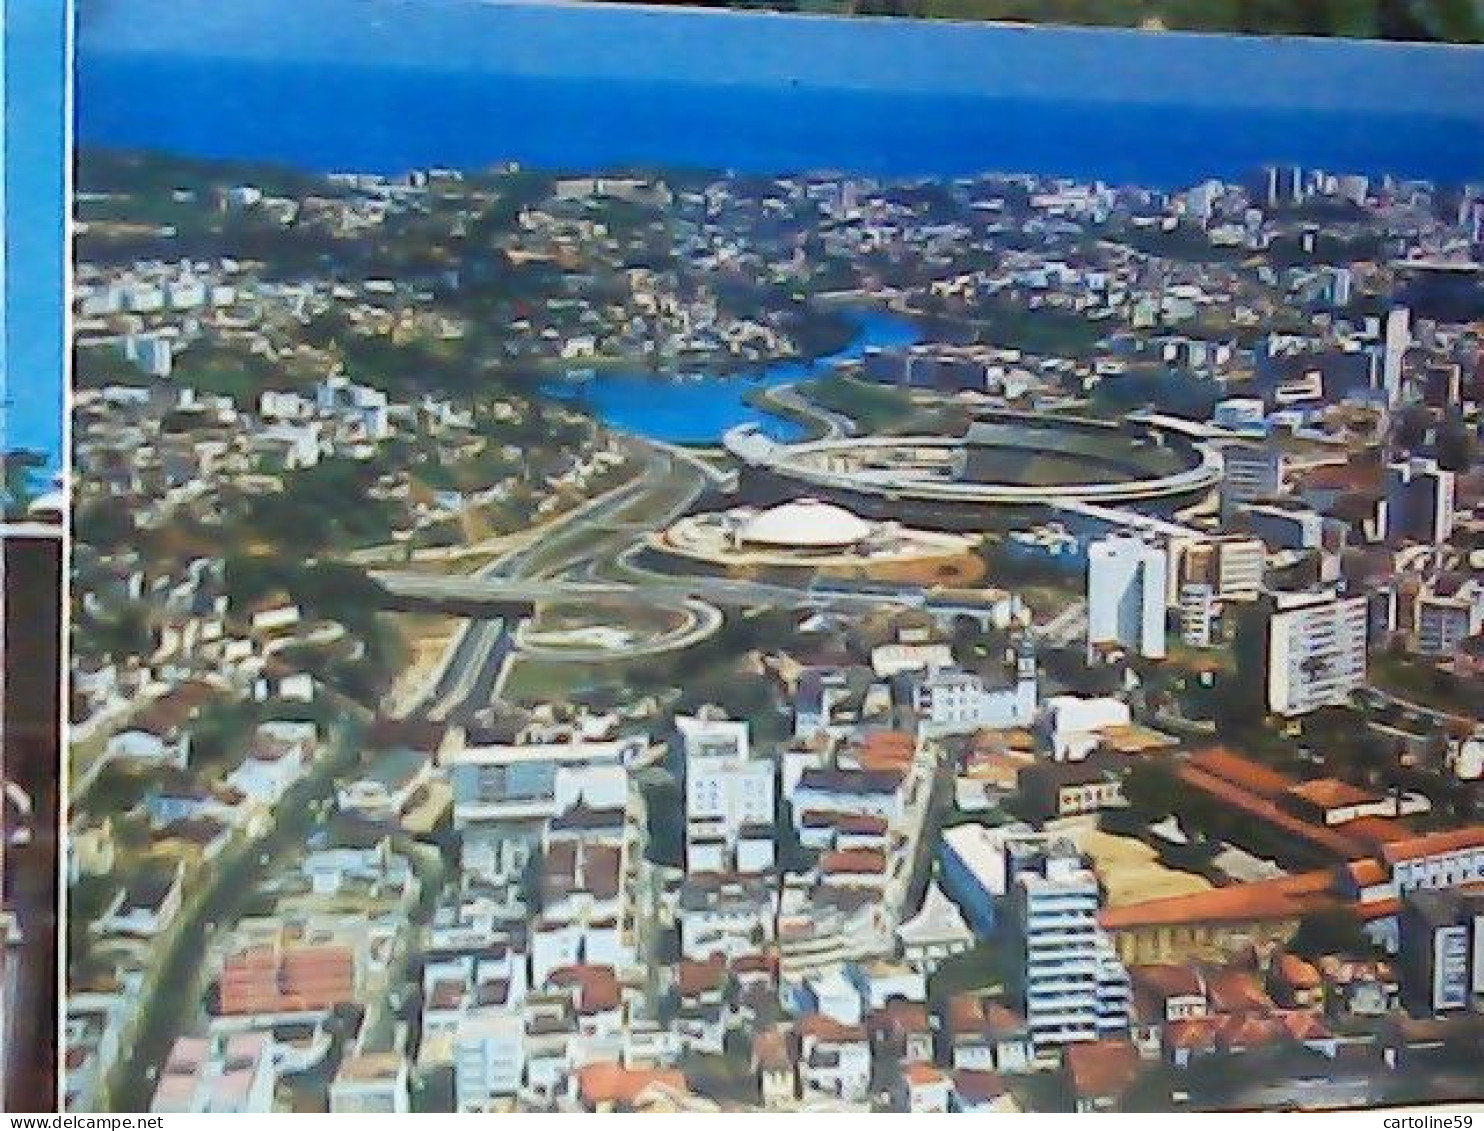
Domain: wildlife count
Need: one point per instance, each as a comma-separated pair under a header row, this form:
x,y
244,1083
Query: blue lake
x,y
699,408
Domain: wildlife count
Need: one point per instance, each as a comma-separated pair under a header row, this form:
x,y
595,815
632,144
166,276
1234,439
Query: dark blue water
x,y
391,119
699,409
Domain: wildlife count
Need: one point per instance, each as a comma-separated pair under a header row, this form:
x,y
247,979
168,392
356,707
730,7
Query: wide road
x,y
716,590
468,679
581,542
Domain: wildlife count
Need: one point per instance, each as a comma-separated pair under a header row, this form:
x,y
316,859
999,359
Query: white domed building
x,y
804,533
802,525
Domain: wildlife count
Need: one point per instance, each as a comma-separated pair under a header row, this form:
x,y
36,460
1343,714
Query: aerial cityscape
x,y
652,640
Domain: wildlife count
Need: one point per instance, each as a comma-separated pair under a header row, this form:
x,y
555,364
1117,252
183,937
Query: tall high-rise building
x,y
1283,184
1127,592
730,797
1397,338
1419,501
1316,650
1074,987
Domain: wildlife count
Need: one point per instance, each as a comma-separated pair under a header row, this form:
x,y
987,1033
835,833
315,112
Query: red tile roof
x,y
1234,768
856,861
1266,810
1289,897
1366,873
610,1083
816,1026
1305,1025
1193,1033
1232,989
694,978
919,1074
287,980
1248,1030
1297,973
1434,844
597,986
1332,793
1102,1069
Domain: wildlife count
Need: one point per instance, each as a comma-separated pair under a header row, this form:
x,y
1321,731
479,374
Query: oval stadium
x,y
1006,466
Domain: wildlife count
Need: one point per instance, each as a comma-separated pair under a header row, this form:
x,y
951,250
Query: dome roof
x,y
806,523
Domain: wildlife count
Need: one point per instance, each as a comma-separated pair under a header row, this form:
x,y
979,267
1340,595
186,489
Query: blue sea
x,y
388,119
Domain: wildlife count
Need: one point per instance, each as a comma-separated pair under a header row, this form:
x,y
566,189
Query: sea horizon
x,y
390,120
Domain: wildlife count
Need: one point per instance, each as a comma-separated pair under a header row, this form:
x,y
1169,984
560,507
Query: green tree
x,y
21,467
1153,789
1334,930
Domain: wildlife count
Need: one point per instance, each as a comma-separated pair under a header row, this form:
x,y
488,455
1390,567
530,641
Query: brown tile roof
x,y
597,986
816,1026
1434,844
855,862
901,1017
1232,989
981,1086
1167,981
1343,477
1289,897
610,1083
176,707
1374,832
1332,793
770,1050
1297,973
1264,809
861,823
1102,1069
1238,770
918,1074
447,993
694,978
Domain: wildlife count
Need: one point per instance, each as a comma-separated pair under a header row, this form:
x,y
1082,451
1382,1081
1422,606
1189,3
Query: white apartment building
x,y
489,1057
730,797
1316,651
1075,988
372,1084
950,701
504,793
1126,595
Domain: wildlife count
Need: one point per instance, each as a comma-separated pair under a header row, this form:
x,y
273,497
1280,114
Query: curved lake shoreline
x,y
700,408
